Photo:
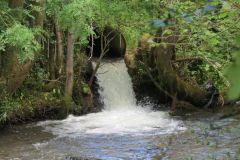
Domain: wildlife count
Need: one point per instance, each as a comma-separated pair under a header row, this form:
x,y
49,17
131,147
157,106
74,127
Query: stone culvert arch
x,y
112,40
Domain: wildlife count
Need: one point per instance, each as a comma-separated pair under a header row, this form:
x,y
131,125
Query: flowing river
x,y
123,130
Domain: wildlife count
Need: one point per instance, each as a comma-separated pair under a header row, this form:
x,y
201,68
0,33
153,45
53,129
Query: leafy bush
x,y
204,33
23,39
7,106
233,75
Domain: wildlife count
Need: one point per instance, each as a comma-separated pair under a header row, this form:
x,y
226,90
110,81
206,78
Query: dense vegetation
x,y
43,47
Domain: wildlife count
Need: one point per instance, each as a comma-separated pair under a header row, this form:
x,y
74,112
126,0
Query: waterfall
x,y
116,86
121,114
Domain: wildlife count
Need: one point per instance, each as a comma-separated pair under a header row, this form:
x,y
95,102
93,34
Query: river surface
x,y
124,130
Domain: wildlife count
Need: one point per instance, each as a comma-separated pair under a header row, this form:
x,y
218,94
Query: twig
x,y
155,81
188,59
210,62
92,39
219,73
54,80
160,88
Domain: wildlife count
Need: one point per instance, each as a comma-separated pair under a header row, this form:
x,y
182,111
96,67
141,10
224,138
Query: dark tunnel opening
x,y
112,40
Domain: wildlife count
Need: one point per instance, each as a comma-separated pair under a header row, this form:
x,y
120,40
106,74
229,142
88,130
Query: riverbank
x,y
38,105
40,98
206,137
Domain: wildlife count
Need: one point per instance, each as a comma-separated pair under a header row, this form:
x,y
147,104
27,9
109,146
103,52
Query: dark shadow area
x,y
112,40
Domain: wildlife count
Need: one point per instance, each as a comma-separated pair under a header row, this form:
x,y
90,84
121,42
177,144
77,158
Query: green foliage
x,y
36,78
7,106
75,16
208,36
2,43
4,14
131,17
85,88
233,74
23,39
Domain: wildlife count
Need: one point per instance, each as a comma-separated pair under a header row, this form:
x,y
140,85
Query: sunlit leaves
x,y
53,7
23,39
233,73
210,36
2,43
132,17
214,41
75,16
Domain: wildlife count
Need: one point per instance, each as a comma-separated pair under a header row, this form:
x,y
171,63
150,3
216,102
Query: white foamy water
x,y
117,91
121,115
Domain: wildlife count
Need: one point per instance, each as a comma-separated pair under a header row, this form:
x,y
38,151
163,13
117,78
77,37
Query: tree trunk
x,y
173,84
51,61
16,8
17,73
60,50
10,61
158,65
69,67
164,54
39,16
